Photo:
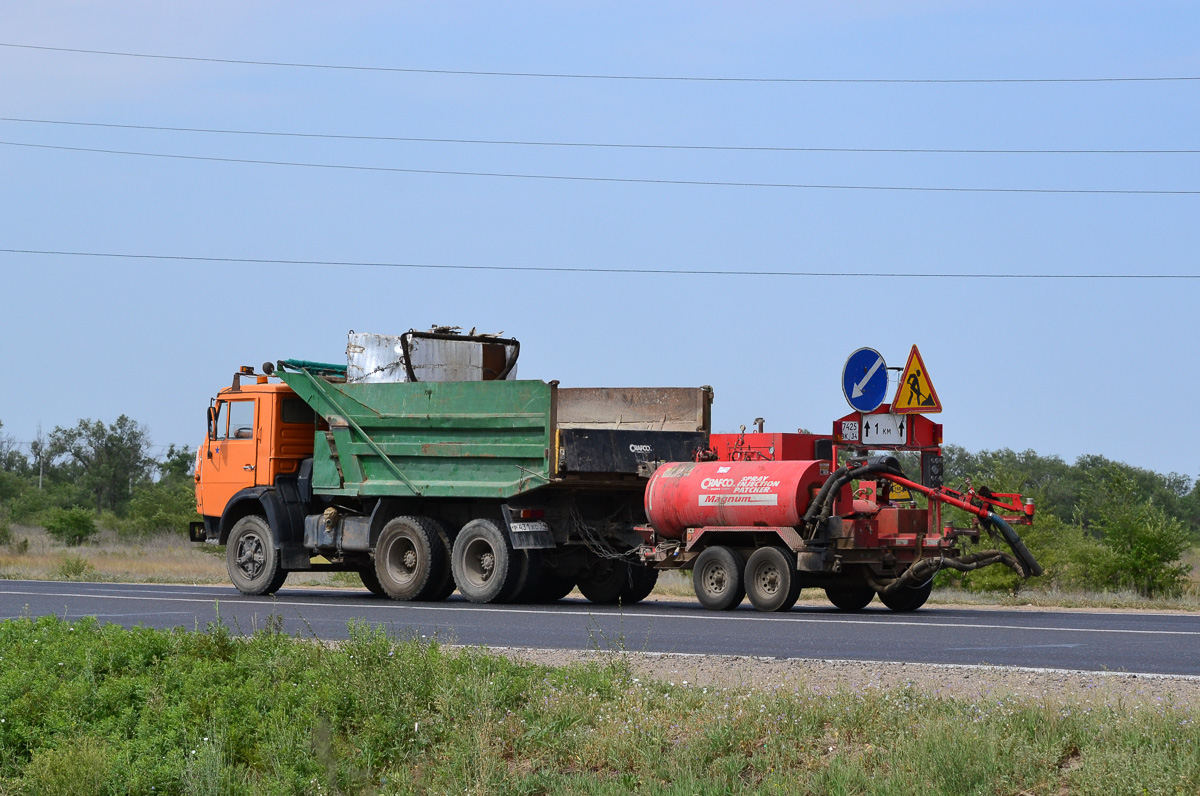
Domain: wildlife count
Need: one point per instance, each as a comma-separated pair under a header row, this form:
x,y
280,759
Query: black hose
x,y
1030,563
926,568
822,505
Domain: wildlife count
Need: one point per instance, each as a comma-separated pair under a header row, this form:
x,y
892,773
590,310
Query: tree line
x,y
95,472
1099,525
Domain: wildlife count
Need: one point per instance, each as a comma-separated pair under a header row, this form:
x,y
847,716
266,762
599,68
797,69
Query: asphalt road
x,y
1143,642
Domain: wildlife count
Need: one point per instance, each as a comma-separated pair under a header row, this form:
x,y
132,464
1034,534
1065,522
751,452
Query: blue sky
x,y
1063,367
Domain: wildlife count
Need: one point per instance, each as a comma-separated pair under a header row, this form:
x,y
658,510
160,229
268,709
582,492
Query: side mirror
x,y
212,430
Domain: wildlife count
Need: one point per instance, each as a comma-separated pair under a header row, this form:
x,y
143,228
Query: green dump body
x,y
487,439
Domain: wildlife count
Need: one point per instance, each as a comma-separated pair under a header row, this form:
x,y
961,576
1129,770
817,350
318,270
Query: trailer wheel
x,y
904,599
717,579
603,581
251,557
850,598
371,581
772,583
639,584
482,561
410,560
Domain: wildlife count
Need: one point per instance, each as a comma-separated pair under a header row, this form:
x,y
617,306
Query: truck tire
x,y
906,599
446,586
772,582
639,584
410,560
553,587
482,561
371,581
602,582
717,579
526,578
251,557
850,598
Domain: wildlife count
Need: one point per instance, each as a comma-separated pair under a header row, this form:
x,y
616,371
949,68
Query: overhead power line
x,y
604,145
623,180
587,76
592,270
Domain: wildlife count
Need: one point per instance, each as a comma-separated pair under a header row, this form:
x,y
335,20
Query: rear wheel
x,y
603,581
553,587
907,599
524,587
371,581
410,559
446,586
772,583
251,557
850,598
639,584
482,561
717,579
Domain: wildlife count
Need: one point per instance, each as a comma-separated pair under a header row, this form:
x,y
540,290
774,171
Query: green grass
x,y
91,709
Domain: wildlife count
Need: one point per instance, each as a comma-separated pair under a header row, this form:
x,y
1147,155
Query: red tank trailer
x,y
763,515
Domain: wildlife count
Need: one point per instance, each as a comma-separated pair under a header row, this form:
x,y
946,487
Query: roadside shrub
x,y
1147,546
5,526
72,527
73,567
80,767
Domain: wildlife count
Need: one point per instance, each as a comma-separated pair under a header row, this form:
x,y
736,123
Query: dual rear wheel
x,y
722,578
412,560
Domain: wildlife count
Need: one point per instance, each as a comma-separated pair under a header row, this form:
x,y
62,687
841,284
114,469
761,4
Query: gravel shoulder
x,y
971,683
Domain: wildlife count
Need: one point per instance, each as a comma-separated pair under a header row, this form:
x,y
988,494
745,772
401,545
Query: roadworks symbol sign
x,y
915,392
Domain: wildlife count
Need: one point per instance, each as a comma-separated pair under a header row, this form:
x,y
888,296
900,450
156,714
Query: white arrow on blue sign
x,y
864,379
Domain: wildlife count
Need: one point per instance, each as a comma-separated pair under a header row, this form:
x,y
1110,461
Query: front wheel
x,y
772,582
717,579
907,599
252,558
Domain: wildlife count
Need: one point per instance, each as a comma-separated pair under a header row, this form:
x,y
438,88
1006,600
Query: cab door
x,y
231,460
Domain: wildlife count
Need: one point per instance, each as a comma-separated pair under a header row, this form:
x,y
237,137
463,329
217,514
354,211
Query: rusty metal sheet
x,y
635,408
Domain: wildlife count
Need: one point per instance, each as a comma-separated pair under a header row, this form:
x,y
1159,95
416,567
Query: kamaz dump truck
x,y
506,490
436,470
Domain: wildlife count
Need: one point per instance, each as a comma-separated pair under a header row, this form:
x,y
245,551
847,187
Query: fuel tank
x,y
686,495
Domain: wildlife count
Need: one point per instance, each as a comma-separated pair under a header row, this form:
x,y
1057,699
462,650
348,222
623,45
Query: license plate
x,y
529,527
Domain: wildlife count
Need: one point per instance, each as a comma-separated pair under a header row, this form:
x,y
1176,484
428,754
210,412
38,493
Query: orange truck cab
x,y
256,433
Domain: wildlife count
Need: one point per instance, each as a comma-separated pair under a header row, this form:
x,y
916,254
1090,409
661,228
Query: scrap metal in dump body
x,y
519,491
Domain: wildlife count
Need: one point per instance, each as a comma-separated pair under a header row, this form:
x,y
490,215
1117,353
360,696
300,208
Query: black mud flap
x,y
528,534
592,450
294,556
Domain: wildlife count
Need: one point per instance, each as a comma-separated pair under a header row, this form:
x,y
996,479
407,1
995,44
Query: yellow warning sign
x,y
916,392
899,493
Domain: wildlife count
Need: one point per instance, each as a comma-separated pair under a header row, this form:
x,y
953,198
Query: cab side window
x,y
241,420
235,420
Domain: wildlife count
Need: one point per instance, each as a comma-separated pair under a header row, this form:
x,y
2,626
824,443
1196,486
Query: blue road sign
x,y
864,379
